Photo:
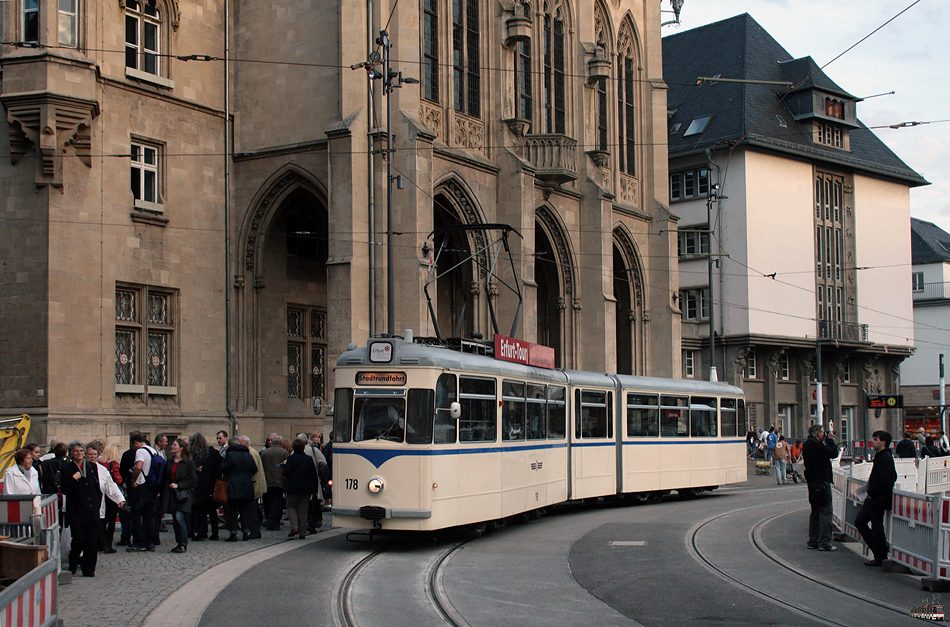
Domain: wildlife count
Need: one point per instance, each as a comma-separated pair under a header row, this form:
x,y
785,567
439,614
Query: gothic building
x,y
195,198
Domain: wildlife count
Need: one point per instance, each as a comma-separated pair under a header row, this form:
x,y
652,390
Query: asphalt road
x,y
734,557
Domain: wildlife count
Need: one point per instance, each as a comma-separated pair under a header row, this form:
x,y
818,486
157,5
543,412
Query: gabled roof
x,y
754,115
928,243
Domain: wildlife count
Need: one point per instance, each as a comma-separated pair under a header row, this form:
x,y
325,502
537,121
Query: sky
x,y
908,56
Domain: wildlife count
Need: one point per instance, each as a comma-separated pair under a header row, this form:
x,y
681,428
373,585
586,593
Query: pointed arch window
x,y
523,79
554,98
430,50
626,117
465,49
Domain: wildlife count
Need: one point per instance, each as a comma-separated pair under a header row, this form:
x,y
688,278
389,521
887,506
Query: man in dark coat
x,y
126,467
817,452
879,497
905,448
239,469
271,458
79,482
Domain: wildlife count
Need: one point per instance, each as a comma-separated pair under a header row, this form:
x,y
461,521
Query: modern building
x,y
794,231
217,289
930,281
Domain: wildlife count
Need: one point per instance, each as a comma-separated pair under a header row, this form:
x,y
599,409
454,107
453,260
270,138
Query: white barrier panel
x,y
860,471
936,471
838,488
31,601
914,531
906,475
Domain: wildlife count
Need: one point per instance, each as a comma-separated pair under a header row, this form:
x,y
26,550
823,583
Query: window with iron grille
x,y
465,51
306,352
144,340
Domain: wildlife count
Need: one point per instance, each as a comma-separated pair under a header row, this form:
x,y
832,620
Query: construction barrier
x,y
914,536
934,475
31,601
18,514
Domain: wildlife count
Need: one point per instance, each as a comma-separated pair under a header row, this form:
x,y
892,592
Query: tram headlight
x,y
375,485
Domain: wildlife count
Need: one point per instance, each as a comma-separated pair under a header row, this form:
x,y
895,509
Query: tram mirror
x,y
455,410
317,405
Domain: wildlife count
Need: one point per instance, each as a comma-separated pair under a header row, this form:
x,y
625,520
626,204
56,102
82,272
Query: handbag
x,y
220,494
181,495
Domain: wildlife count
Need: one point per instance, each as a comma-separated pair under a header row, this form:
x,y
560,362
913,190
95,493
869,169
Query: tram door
x,y
594,461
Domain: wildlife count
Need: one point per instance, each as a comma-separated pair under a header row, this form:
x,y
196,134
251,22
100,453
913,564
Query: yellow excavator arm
x,y
13,432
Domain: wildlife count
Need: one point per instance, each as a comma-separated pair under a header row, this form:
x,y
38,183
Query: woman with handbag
x,y
180,481
206,510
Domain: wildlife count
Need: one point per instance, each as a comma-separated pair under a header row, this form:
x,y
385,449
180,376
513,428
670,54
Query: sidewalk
x,y
128,586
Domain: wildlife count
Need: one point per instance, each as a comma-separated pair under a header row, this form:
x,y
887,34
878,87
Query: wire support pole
x,y
386,44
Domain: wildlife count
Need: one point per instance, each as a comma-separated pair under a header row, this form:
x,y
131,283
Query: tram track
x,y
755,536
435,594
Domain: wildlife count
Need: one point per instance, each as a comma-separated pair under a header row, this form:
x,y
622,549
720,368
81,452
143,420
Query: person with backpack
x,y
770,441
147,475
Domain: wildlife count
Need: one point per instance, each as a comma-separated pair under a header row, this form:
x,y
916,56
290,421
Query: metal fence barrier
x,y
32,600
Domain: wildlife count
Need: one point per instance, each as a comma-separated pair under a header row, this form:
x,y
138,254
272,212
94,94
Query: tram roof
x,y
411,354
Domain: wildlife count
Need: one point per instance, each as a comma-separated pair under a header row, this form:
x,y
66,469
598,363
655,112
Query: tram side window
x,y
512,410
729,417
557,413
446,392
379,418
535,419
643,418
421,406
593,414
479,416
343,413
674,416
703,421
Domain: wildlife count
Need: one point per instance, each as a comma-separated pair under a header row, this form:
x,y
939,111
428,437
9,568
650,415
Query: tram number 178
x,y
352,484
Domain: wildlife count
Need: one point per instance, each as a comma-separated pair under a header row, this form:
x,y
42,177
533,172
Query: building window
x,y
831,247
523,79
829,135
306,352
69,23
146,176
144,318
917,279
846,370
627,114
430,50
785,371
689,184
689,367
834,108
751,370
695,304
465,47
602,115
142,36
31,20
554,98
844,426
693,241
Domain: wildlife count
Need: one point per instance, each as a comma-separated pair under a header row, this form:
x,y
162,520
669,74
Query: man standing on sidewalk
x,y
818,451
142,498
878,500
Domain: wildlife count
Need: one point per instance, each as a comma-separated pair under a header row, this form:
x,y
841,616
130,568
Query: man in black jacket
x,y
905,448
818,451
879,497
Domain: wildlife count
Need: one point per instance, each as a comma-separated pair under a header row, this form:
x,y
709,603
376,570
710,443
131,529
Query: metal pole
x,y
712,318
390,253
943,398
819,409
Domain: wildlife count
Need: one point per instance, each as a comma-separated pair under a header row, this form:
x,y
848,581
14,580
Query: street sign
x,y
885,401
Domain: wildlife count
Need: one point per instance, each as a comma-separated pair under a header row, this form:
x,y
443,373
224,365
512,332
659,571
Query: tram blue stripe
x,y
378,457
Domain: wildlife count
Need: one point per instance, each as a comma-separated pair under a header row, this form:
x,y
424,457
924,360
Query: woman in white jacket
x,y
21,477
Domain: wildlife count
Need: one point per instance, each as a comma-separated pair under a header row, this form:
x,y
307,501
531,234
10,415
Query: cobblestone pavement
x,y
128,586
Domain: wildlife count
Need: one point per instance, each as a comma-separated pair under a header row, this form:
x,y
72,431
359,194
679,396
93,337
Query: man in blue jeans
x,y
818,451
770,441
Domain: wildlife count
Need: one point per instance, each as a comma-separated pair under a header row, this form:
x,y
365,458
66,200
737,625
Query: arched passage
x,y
282,315
554,276
628,292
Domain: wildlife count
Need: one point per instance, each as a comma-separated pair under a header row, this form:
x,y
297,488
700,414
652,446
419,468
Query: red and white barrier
x,y
32,599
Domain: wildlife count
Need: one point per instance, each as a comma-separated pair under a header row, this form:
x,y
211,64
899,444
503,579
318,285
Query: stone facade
x,y
251,251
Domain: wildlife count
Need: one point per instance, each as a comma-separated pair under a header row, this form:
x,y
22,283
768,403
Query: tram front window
x,y
379,419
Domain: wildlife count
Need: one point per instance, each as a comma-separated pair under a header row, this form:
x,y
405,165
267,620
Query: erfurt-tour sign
x,y
522,352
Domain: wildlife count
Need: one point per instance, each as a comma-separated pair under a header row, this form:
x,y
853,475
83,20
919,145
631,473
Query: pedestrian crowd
x,y
188,479
774,448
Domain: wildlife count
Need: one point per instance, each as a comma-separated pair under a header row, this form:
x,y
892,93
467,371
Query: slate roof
x,y
928,242
749,114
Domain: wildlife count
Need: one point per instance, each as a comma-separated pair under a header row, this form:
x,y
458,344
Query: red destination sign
x,y
521,352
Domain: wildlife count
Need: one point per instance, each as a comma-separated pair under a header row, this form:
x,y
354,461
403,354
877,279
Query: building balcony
x,y
554,156
932,291
844,331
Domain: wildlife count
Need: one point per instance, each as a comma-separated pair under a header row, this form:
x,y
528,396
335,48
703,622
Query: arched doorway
x,y
550,302
454,293
624,330
628,292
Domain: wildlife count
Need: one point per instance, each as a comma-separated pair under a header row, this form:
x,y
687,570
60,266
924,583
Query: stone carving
x,y
431,115
808,368
740,361
775,362
554,156
630,190
468,133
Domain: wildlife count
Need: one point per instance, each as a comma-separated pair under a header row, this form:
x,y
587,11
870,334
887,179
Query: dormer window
x,y
834,108
829,135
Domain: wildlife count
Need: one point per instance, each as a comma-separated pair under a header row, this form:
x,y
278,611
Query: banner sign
x,y
885,401
522,352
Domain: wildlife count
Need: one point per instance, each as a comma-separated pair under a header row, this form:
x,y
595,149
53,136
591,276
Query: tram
x,y
429,437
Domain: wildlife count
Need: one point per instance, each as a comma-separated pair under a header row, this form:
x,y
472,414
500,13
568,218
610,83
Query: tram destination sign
x,y
381,378
522,352
885,401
